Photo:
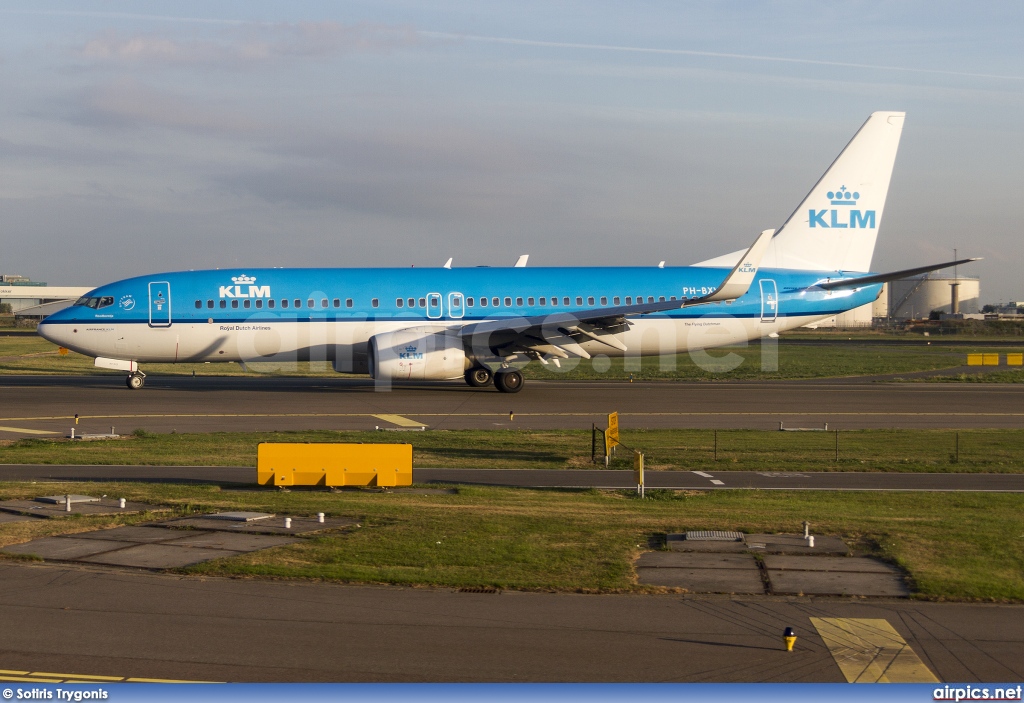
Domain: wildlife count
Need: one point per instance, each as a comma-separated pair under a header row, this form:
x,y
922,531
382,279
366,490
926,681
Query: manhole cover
x,y
714,536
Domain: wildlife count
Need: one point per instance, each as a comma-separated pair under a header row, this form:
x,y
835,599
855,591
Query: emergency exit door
x,y
769,301
159,304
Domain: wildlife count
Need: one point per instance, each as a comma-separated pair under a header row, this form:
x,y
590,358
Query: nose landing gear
x,y
136,380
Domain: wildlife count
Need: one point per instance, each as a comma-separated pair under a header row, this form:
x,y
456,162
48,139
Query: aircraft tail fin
x,y
836,225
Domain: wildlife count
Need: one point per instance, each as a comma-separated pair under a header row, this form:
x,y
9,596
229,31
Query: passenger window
x,y
223,304
412,302
246,303
399,302
565,300
297,303
543,302
457,301
209,304
199,304
661,299
650,299
270,303
323,303
579,300
629,300
495,302
519,302
284,302
508,302
348,302
337,302
234,304
469,302
590,300
604,300
423,302
529,301
615,300
374,303
672,298
309,303
483,302
259,304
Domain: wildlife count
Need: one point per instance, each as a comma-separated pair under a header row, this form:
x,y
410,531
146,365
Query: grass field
x,y
953,546
990,451
30,354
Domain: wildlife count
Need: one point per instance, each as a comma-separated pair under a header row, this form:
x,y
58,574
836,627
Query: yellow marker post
x,y
990,359
638,472
1015,359
974,359
789,635
611,436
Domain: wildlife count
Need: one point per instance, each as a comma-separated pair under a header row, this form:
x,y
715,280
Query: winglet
x,y
521,263
448,264
742,275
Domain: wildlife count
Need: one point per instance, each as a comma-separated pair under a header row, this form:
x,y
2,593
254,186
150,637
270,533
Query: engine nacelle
x,y
416,354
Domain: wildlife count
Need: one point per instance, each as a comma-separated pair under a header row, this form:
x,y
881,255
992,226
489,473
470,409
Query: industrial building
x,y
29,298
915,298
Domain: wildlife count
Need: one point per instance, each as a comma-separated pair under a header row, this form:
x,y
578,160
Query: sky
x,y
139,137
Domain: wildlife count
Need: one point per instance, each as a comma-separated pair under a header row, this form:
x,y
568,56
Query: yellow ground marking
x,y
871,651
51,677
25,431
399,420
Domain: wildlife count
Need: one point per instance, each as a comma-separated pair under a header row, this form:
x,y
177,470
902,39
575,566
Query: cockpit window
x,y
95,302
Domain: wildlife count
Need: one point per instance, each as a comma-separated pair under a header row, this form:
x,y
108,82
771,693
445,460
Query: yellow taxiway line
x,y
398,420
871,651
51,677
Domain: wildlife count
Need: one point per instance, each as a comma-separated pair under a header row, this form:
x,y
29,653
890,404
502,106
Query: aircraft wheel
x,y
478,377
508,381
135,381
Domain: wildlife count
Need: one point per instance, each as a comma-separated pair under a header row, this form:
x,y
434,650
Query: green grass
x,y
836,357
989,451
953,546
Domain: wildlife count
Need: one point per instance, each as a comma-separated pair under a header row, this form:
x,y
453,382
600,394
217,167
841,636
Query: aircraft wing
x,y
559,334
891,276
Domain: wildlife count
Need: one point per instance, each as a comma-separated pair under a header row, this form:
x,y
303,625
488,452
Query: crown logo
x,y
243,280
843,196
411,348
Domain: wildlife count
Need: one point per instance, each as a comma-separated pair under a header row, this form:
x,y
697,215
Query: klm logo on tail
x,y
839,217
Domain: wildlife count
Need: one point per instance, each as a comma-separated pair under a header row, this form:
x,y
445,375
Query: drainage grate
x,y
714,536
479,589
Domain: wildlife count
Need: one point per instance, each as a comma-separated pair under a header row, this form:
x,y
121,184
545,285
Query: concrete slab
x,y
300,525
240,516
682,545
796,544
843,564
105,506
138,534
839,583
15,517
696,560
158,556
704,580
63,548
226,540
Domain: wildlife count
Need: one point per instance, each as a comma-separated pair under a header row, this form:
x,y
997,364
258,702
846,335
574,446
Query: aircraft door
x,y
433,305
456,305
769,301
159,304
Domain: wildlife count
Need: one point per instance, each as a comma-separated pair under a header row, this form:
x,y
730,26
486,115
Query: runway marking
x,y
22,430
50,677
717,482
869,650
398,420
701,473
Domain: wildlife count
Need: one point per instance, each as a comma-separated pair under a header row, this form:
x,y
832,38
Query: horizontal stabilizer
x,y
891,276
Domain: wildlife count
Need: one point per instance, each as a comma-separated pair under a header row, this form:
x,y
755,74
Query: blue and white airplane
x,y
484,324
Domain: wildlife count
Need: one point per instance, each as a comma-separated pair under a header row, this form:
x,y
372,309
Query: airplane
x,y
483,324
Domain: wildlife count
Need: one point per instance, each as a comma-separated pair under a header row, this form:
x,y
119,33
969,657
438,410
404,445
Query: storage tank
x,y
915,298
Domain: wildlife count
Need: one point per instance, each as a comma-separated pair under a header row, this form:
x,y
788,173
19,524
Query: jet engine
x,y
416,354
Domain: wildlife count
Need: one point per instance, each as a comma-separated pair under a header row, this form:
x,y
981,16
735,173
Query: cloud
x,y
250,43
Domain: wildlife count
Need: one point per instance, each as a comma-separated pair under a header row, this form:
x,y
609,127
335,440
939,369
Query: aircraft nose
x,y
53,332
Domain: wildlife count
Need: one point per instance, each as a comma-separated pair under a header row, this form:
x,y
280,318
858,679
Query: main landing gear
x,y
478,376
135,380
510,381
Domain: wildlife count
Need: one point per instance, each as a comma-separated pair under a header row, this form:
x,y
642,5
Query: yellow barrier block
x,y
975,359
1015,359
333,464
991,359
